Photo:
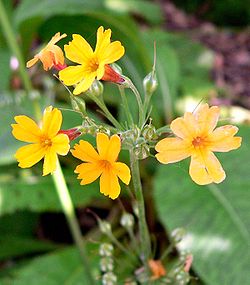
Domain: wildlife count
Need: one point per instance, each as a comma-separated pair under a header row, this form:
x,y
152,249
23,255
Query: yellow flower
x,y
197,137
102,164
51,55
91,63
45,141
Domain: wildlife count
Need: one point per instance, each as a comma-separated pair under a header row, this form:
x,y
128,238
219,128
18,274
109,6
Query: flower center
x,y
46,142
93,64
198,142
105,164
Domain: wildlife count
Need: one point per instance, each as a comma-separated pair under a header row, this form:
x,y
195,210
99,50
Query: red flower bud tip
x,y
111,75
59,66
71,133
188,263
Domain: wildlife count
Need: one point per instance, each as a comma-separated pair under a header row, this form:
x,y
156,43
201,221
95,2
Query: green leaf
x,y
216,217
60,267
37,193
12,246
4,69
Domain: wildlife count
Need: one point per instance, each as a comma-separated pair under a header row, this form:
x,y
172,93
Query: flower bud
x,y
135,209
141,149
78,104
127,220
109,278
149,132
96,89
106,249
106,264
105,227
178,234
150,83
182,278
111,75
116,68
71,133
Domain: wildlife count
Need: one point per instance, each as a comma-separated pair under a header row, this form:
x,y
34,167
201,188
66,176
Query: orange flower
x,y
157,269
102,164
45,141
51,55
92,64
197,137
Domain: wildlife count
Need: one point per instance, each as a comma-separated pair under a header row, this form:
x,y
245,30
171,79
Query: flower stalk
x,y
68,209
143,228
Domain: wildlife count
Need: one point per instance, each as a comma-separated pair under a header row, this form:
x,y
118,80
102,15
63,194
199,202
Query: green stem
x,y
106,111
126,107
143,228
139,101
14,47
68,209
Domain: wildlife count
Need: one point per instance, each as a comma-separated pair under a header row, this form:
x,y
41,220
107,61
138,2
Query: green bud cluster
x,y
107,264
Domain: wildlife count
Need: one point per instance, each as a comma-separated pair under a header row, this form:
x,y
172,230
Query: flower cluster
x,y
195,135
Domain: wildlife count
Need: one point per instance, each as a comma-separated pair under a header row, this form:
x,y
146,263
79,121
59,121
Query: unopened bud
x,y
150,83
71,133
182,278
107,264
127,220
109,278
78,104
106,249
149,132
105,227
96,89
116,68
111,75
141,150
135,209
178,235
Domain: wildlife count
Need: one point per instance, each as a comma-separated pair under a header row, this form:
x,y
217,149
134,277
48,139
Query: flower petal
x,y
222,139
103,40
60,144
50,162
58,56
185,128
172,150
122,171
78,50
111,53
207,118
102,144
31,62
56,38
88,172
26,129
84,85
205,168
109,184
114,148
72,74
52,121
29,155
85,151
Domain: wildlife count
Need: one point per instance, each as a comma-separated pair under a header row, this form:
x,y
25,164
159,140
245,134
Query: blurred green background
x,y
34,239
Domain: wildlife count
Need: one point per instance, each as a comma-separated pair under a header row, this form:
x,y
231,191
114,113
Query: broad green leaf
x,y
12,246
216,217
60,267
37,193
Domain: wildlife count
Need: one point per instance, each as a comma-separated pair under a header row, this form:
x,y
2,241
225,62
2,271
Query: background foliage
x,y
216,217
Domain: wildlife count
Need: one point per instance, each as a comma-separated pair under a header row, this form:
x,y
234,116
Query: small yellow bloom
x,y
45,141
51,55
197,137
91,63
102,164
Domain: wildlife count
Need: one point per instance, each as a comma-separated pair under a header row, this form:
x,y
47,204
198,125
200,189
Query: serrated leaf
x,y
216,217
